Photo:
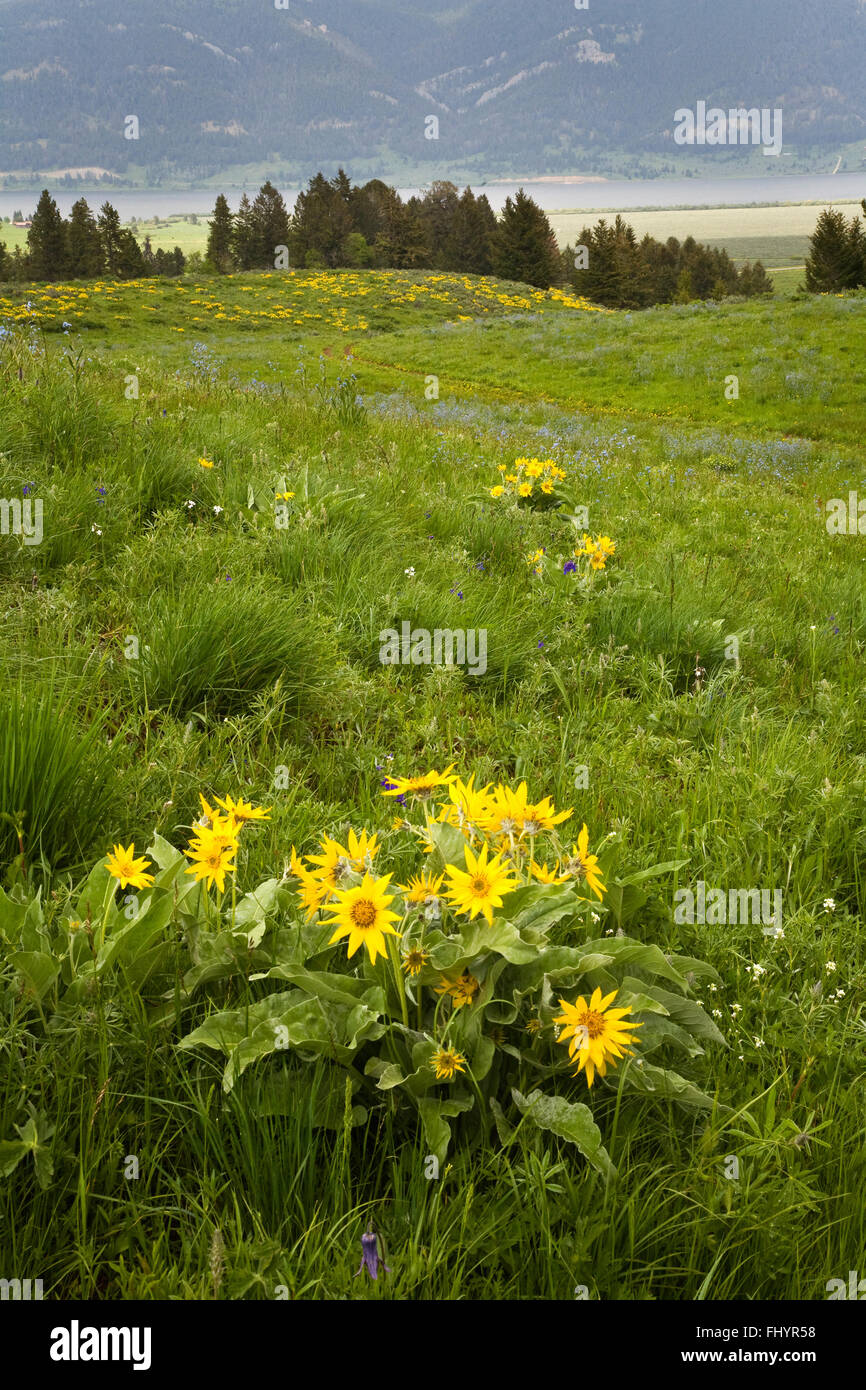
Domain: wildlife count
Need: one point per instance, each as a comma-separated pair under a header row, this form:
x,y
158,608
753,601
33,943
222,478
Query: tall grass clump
x,y
216,647
55,774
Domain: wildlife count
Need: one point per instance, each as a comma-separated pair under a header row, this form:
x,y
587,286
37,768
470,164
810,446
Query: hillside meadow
x,y
244,484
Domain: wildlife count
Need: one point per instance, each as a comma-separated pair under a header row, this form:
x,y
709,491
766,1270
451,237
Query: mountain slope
x,y
542,87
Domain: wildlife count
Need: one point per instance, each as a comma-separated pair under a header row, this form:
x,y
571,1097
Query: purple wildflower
x,y
371,1259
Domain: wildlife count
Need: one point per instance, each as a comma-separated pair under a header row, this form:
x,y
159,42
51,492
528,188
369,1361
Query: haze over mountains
x,y
518,88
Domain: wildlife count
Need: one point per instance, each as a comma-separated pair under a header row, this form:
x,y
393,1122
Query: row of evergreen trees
x,y
611,267
338,224
837,253
84,247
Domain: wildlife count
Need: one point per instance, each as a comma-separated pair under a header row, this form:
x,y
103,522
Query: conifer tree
x,y
321,223
83,245
836,254
243,237
270,220
110,239
46,240
219,241
522,249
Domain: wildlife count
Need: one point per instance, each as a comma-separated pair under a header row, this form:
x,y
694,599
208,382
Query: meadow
x,y
244,483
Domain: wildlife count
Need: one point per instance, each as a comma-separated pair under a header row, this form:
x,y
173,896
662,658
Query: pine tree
x,y
84,249
46,240
685,289
410,248
219,241
4,263
473,234
110,239
753,279
320,225
20,268
130,263
243,236
615,273
439,211
836,254
522,249
373,209
270,221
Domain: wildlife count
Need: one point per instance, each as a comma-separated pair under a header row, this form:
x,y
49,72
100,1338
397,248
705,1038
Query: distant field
x,y
775,235
167,233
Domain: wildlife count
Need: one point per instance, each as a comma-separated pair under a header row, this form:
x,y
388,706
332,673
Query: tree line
x,y
611,267
337,224
84,247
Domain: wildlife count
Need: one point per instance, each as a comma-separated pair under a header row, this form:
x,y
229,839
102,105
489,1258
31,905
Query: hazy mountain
x,y
519,87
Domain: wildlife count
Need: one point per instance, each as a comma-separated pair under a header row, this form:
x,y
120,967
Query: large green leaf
x,y
450,845
169,861
291,1019
535,908
34,1136
39,969
254,907
136,935
625,950
687,1012
22,924
326,984
94,894
502,938
661,1084
570,1121
435,1113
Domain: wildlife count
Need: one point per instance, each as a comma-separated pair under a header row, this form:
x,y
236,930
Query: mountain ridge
x,y
216,84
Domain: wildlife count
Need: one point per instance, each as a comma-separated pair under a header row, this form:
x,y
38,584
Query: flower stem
x,y
393,952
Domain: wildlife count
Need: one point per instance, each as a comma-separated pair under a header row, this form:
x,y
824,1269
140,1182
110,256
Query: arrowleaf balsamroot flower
x,y
337,860
421,786
546,875
596,1034
129,871
470,804
447,1063
462,990
421,887
212,853
482,886
361,913
313,891
414,960
582,864
243,810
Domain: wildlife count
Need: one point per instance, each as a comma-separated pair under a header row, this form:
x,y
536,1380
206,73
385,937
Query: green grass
x,y
754,775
